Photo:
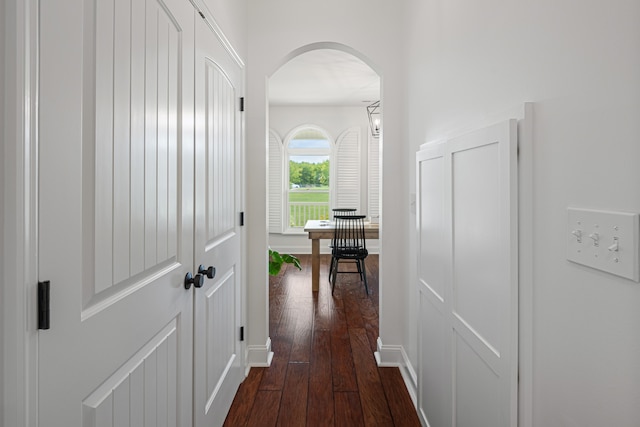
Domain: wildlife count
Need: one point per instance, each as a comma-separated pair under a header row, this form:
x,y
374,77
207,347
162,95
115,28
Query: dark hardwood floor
x,y
323,372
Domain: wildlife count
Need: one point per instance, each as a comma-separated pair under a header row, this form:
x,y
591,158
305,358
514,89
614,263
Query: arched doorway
x,y
332,87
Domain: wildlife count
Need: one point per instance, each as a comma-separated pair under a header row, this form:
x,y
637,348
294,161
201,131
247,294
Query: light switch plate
x,y
604,240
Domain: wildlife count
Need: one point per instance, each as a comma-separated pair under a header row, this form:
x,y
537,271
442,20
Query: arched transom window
x,y
308,174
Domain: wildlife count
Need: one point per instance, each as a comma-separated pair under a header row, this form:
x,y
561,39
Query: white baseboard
x,y
259,355
395,356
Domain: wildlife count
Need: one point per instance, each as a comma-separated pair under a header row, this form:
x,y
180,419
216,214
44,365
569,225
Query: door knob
x,y
209,272
196,281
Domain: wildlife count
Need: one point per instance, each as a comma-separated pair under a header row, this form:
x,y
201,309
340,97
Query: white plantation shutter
x,y
347,161
275,183
374,177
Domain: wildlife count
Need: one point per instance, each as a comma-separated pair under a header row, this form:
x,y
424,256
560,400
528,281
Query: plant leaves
x,y
290,259
276,260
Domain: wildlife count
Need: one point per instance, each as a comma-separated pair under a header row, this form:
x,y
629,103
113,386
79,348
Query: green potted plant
x,y
276,259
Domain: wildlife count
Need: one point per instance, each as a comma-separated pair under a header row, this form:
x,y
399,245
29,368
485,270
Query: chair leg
x,y
364,275
359,268
334,273
331,268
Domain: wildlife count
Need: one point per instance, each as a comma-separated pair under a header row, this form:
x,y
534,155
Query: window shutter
x,y
275,183
374,177
348,175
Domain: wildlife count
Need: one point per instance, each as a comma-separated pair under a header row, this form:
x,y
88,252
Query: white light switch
x,y
607,241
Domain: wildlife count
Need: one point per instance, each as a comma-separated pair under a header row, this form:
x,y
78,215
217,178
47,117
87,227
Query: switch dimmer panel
x,y
604,240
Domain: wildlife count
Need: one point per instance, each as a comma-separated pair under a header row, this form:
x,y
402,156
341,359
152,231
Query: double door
x,y
139,183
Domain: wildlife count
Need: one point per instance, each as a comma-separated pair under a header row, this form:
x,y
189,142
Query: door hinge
x,y
241,333
43,304
202,15
242,103
241,219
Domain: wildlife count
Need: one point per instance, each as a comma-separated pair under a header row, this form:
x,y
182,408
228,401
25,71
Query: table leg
x,y
315,265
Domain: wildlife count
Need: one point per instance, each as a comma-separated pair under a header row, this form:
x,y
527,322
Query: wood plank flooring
x,y
323,372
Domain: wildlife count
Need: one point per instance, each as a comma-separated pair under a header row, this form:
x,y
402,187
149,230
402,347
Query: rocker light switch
x,y
611,244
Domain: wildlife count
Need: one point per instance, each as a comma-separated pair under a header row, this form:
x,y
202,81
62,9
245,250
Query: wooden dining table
x,y
323,229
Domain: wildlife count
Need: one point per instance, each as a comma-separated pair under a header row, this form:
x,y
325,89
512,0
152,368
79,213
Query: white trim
x,y
395,356
19,324
327,45
243,229
259,355
525,269
213,24
3,213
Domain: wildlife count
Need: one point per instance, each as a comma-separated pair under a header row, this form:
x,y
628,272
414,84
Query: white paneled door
x,y
218,188
116,212
468,279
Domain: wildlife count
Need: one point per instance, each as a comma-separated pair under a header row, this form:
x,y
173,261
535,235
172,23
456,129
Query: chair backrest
x,y
349,233
343,212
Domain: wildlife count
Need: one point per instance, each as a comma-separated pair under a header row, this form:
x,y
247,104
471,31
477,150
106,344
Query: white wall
x,y
371,28
335,120
580,65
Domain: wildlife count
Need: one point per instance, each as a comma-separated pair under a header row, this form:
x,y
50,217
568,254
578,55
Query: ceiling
x,y
324,77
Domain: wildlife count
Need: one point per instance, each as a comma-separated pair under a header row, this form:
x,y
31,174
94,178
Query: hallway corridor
x,y
323,372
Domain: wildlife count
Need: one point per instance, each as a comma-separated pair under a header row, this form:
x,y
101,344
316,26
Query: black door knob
x,y
209,272
196,281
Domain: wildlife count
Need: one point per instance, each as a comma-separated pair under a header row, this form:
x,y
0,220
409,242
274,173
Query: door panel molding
x,y
131,392
220,127
468,225
220,305
122,290
131,138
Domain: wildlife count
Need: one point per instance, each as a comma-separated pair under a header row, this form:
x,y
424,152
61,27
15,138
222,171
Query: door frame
x,y
20,189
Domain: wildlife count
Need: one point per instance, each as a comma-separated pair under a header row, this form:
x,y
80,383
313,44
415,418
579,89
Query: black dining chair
x,y
343,212
348,245
339,212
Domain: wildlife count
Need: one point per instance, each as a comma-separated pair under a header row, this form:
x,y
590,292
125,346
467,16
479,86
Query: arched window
x,y
308,152
309,174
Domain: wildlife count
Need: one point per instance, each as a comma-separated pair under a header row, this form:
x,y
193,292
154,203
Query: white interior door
x,y
116,212
469,307
218,357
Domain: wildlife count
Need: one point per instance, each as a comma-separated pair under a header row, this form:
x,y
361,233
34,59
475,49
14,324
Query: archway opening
x,y
330,88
